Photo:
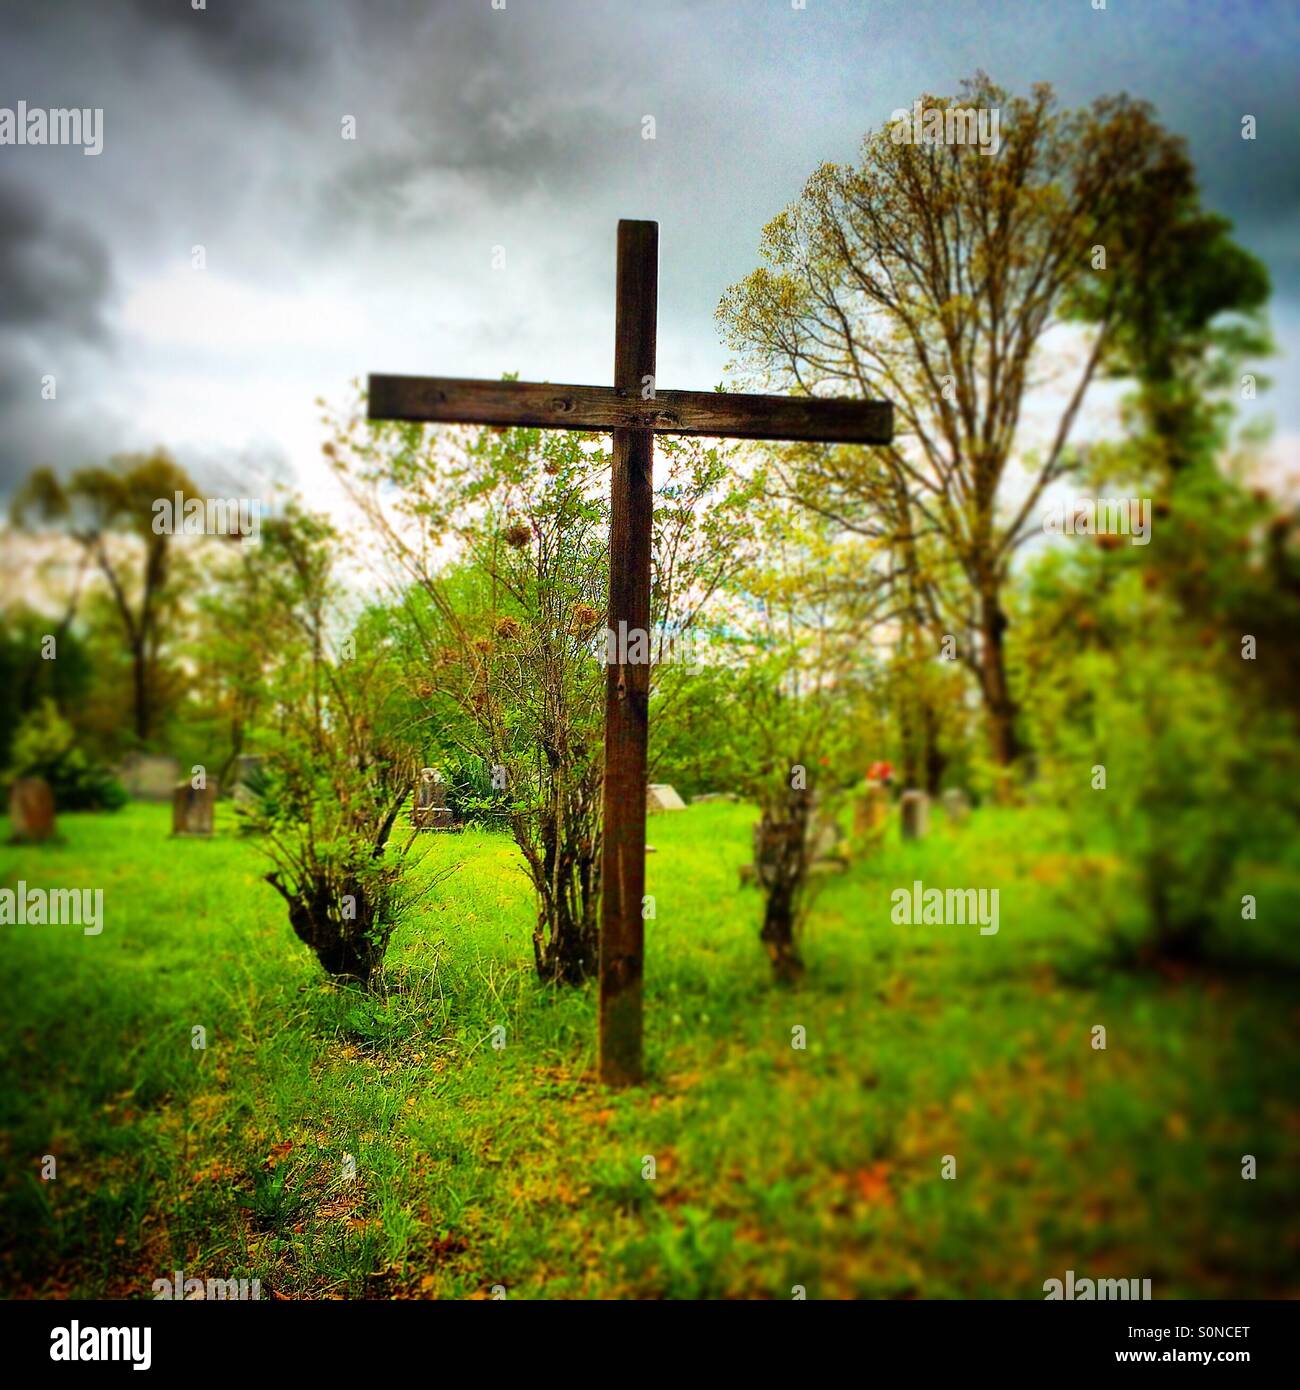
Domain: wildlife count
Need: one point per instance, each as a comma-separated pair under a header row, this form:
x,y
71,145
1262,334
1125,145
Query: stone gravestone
x,y
431,811
247,767
915,809
826,850
956,805
31,810
149,777
777,844
659,796
192,808
871,810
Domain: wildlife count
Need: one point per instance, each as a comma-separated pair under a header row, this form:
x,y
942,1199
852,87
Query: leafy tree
x,y
931,274
45,745
339,765
1184,318
27,678
100,508
1198,781
229,674
499,540
797,697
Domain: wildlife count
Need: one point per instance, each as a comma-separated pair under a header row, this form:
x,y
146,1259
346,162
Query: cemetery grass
x,y
479,1166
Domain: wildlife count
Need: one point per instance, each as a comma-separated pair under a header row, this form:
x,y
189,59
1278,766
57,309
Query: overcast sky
x,y
518,128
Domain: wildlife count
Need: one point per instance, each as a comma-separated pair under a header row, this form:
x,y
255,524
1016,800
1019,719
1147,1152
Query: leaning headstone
x,y
247,768
149,776
192,808
915,809
431,810
826,849
31,810
871,810
956,805
659,796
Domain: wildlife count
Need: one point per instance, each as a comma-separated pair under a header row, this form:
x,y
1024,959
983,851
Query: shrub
x,y
45,746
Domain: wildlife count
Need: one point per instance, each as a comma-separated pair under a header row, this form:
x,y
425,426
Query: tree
x,y
98,506
1184,317
796,702
27,678
339,762
932,274
1146,736
229,673
499,542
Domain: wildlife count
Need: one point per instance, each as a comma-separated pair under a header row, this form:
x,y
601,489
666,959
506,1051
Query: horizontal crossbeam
x,y
462,401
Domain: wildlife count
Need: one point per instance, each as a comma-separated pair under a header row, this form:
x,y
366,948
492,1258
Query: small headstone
x,y
431,811
956,805
871,810
659,796
149,776
825,840
826,852
246,769
31,810
915,811
192,808
703,798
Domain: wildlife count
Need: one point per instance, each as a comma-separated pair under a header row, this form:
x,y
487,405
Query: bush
x,y
45,746
1197,781
472,797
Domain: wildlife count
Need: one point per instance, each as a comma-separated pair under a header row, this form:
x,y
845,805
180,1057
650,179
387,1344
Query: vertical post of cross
x,y
627,693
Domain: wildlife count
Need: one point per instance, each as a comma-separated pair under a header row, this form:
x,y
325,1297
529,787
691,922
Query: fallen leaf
x,y
873,1185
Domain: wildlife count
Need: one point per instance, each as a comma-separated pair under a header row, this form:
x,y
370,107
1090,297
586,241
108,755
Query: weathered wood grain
x,y
627,691
460,400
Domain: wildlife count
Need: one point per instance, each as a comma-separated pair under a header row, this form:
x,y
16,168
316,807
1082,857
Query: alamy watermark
x,y
178,1287
667,646
38,907
1101,516
1084,1289
948,125
207,516
958,907
56,125
77,1343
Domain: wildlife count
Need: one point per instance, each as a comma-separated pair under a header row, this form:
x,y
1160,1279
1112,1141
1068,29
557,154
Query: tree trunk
x,y
781,861
140,691
907,742
999,706
566,940
341,945
935,761
777,935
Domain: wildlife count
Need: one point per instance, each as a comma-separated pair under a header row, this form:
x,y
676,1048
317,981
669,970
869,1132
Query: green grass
x,y
479,1166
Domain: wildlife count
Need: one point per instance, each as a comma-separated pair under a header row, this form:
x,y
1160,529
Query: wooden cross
x,y
634,411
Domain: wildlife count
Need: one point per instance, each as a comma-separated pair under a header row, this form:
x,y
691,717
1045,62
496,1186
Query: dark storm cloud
x,y
55,289
476,127
55,275
248,42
